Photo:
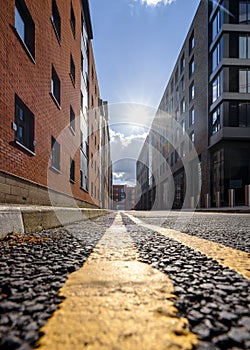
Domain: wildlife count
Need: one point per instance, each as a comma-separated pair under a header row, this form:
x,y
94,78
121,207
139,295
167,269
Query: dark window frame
x,y
247,12
28,36
55,155
216,117
182,63
72,170
72,70
191,116
246,38
56,21
24,126
56,87
244,89
72,20
72,119
191,91
191,42
191,67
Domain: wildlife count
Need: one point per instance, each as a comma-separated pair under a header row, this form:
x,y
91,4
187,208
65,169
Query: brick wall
x,y
94,130
31,81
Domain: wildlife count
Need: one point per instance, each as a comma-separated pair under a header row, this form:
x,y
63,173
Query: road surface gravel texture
x,y
215,300
32,272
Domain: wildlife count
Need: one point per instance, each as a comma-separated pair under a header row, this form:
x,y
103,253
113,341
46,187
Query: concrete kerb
x,y
232,210
28,219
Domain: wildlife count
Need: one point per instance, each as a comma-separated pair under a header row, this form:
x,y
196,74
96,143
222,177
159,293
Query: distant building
x,y
124,197
119,195
130,200
208,95
45,96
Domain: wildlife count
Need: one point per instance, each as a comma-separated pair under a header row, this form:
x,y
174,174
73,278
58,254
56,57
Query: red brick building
x,y
44,99
94,131
124,197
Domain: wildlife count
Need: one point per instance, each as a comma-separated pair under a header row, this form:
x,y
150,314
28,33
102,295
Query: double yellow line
x,y
234,259
115,302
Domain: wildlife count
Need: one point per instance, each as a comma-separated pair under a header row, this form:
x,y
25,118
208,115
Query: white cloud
x,y
118,175
118,138
156,2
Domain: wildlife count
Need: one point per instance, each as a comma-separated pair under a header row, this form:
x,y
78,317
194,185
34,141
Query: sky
x,y
136,44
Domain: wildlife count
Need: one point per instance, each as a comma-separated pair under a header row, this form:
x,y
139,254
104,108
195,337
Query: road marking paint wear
x,y
234,259
115,302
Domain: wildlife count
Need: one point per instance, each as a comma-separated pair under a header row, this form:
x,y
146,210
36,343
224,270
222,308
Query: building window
x,y
182,63
244,12
172,86
81,97
191,91
24,125
55,154
183,126
216,120
192,136
72,118
244,81
182,85
239,114
82,24
73,20
244,114
183,105
217,23
25,27
82,62
171,107
244,46
177,94
55,87
182,150
72,170
216,88
72,70
92,160
191,42
191,67
191,116
177,114
56,20
217,55
176,75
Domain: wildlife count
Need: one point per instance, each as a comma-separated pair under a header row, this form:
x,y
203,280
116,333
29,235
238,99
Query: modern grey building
x,y
208,97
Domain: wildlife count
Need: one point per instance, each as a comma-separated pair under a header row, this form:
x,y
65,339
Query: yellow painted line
x,y
115,302
234,259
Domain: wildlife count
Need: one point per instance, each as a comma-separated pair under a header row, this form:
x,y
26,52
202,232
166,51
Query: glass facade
x,y
244,46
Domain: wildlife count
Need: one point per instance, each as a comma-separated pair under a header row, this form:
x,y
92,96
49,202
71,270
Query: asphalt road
x,y
208,266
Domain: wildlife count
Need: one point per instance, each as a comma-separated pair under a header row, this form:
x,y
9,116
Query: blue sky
x,y
136,44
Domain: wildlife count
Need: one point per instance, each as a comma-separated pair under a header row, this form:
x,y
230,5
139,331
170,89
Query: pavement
x,y
32,218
